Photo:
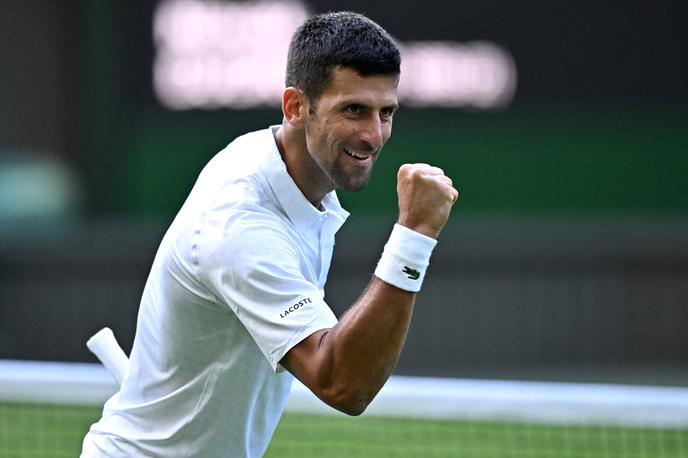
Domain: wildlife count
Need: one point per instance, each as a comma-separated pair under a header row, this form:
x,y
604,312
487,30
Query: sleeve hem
x,y
276,356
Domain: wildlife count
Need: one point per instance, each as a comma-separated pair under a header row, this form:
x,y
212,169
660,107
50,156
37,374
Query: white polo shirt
x,y
238,280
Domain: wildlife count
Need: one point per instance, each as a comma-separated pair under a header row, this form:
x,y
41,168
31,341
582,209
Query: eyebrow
x,y
347,103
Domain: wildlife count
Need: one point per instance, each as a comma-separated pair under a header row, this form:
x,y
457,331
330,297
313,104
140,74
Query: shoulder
x,y
250,143
248,233
242,155
256,251
256,227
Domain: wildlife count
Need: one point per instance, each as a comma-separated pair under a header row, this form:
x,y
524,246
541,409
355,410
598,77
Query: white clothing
x,y
238,280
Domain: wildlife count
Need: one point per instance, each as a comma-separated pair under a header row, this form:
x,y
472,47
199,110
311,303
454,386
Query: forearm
x,y
348,364
361,351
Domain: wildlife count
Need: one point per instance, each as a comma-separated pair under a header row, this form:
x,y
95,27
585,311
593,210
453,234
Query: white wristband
x,y
405,258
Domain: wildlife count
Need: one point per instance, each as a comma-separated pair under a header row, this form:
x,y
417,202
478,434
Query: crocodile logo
x,y
413,274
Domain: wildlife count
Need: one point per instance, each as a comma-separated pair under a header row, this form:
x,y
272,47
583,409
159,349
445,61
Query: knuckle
x,y
405,170
415,173
410,172
454,195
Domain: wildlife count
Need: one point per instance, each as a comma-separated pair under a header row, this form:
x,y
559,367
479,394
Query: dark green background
x,y
599,125
575,162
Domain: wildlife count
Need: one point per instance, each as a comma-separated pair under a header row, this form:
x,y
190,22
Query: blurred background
x,y
564,124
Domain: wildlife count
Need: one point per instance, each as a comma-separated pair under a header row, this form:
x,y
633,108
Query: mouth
x,y
361,158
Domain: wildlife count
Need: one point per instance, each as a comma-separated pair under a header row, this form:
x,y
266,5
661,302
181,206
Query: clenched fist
x,y
426,196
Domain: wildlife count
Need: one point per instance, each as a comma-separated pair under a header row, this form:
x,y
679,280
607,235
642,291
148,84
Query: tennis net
x,y
47,407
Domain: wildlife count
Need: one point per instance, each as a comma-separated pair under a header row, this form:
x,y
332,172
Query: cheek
x,y
339,135
316,137
387,131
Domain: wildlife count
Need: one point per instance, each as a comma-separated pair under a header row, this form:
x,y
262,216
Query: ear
x,y
294,107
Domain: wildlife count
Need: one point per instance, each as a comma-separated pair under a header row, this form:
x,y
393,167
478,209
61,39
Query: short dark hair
x,y
345,39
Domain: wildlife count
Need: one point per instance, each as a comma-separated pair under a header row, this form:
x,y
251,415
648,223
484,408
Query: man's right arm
x,y
346,366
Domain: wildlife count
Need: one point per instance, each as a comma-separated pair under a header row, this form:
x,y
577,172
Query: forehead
x,y
347,86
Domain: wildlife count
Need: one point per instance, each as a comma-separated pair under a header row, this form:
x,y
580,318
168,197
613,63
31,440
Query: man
x,y
235,294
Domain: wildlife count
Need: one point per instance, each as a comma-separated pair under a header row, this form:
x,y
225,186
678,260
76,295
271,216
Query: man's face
x,y
350,123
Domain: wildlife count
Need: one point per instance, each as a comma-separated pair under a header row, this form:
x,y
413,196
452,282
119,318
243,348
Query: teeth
x,y
357,156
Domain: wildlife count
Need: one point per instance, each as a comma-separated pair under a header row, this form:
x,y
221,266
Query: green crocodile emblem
x,y
413,274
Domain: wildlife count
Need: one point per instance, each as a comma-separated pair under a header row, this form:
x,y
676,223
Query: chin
x,y
356,186
352,182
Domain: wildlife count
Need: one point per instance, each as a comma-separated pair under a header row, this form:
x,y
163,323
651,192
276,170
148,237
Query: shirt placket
x,y
327,230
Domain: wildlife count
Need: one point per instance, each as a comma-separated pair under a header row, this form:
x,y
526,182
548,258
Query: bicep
x,y
306,359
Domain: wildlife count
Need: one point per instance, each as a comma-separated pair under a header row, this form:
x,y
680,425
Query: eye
x,y
354,109
387,113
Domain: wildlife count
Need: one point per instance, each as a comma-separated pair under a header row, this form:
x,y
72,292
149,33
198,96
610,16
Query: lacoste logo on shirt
x,y
413,274
296,306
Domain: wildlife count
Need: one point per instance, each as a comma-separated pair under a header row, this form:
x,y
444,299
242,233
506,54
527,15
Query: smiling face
x,y
347,127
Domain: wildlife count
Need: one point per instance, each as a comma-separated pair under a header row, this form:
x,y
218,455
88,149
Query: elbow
x,y
352,402
353,409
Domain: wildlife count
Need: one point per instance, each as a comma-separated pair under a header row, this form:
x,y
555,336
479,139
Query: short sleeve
x,y
257,270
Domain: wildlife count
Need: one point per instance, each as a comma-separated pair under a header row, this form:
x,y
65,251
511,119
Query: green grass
x,y
302,435
38,431
51,431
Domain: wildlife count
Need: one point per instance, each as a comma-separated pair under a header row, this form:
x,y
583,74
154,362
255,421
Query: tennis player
x,y
233,308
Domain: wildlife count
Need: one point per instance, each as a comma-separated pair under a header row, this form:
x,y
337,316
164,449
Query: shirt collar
x,y
298,209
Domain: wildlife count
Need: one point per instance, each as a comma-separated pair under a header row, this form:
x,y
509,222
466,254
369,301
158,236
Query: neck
x,y
301,166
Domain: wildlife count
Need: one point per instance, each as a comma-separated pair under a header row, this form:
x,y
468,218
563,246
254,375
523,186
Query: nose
x,y
374,133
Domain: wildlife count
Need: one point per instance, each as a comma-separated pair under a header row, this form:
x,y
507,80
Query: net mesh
x,y
399,437
484,419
